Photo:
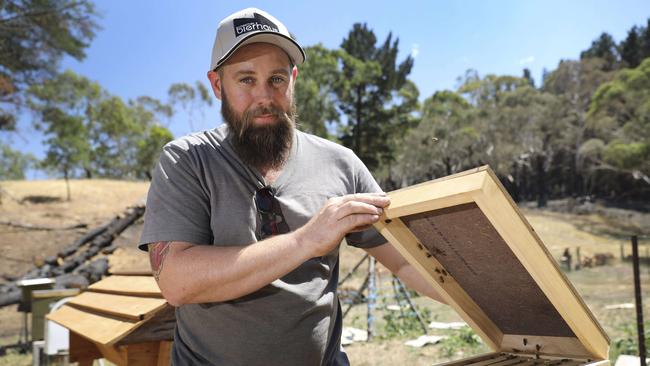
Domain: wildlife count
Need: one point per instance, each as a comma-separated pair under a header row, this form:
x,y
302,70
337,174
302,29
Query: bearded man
x,y
244,221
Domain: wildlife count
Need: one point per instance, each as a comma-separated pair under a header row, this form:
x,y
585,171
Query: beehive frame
x,y
469,223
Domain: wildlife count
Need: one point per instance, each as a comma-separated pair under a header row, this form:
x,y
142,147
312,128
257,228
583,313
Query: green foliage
x,y
631,48
628,344
191,99
34,36
620,115
13,163
149,148
88,130
462,340
404,323
605,48
315,87
449,131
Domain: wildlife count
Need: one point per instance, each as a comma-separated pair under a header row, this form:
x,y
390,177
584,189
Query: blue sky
x,y
144,46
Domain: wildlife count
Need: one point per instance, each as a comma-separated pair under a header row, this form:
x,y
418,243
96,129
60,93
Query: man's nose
x,y
263,93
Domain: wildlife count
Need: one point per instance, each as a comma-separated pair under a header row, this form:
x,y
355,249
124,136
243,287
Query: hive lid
x,y
466,236
117,307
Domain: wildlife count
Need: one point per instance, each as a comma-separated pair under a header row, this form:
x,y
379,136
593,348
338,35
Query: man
x,y
244,221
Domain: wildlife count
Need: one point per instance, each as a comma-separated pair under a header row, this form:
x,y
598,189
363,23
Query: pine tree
x,y
527,75
644,34
375,95
631,48
603,47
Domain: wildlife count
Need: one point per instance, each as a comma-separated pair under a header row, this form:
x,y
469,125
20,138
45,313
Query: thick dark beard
x,y
266,146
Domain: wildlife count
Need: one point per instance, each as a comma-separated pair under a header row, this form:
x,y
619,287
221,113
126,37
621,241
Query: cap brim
x,y
291,47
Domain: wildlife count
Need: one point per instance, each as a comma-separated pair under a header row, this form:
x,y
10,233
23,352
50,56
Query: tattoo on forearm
x,y
157,253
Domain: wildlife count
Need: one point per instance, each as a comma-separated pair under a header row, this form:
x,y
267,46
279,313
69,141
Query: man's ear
x,y
215,83
294,72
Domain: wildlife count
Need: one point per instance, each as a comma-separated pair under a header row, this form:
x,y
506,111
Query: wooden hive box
x,y
122,318
466,236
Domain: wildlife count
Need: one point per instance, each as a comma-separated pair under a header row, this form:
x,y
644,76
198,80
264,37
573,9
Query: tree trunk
x,y
357,137
541,181
67,184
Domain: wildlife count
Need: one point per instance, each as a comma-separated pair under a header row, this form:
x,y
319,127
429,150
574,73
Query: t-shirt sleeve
x,y
178,206
365,183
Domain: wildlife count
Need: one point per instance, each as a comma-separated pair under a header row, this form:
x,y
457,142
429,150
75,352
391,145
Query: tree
x,y
375,95
13,163
34,35
113,134
64,107
149,113
631,48
445,141
67,147
644,40
574,82
149,148
605,48
529,77
519,131
89,130
619,115
191,99
315,88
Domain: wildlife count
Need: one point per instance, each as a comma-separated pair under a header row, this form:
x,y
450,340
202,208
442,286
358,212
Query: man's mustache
x,y
271,109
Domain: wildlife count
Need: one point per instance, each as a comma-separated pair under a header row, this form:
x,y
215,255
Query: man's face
x,y
256,90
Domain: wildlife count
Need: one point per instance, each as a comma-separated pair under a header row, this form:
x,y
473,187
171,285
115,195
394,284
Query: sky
x,y
144,46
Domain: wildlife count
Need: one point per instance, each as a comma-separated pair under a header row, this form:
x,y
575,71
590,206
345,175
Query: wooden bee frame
x,y
468,239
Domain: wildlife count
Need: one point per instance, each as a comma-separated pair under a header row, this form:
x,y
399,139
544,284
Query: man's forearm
x,y
413,280
389,256
188,273
203,273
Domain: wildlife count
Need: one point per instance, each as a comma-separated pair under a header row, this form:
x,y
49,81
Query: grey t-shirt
x,y
203,193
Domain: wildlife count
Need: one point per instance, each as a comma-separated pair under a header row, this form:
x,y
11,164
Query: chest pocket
x,y
299,207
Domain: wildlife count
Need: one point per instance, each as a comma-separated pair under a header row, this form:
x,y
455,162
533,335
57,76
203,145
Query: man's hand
x,y
338,217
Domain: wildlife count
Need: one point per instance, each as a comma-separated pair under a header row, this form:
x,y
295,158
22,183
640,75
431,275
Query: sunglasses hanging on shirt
x,y
272,219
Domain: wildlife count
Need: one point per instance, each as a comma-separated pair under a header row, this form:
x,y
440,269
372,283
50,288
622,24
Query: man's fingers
x,y
375,199
352,222
357,207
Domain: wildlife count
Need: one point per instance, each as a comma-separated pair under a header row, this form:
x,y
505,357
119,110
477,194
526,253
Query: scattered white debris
x,y
424,340
627,360
452,325
627,305
350,335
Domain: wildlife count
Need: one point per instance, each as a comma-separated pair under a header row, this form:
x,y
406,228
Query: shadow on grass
x,y
41,199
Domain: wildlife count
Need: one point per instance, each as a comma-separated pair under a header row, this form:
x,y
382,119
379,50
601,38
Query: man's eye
x,y
247,80
277,80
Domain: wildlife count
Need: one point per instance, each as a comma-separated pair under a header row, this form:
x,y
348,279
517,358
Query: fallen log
x,y
92,234
10,298
72,272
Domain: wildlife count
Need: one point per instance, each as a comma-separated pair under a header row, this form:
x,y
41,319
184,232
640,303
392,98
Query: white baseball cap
x,y
251,26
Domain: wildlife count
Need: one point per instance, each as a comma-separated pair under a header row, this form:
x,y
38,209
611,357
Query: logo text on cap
x,y
257,23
